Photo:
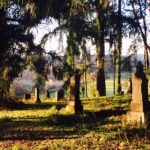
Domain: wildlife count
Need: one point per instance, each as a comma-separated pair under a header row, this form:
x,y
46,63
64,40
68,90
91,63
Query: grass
x,y
50,126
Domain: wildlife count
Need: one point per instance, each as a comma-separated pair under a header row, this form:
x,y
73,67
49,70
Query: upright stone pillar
x,y
37,95
140,106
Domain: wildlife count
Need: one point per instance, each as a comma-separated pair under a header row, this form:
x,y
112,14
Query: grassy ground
x,y
50,126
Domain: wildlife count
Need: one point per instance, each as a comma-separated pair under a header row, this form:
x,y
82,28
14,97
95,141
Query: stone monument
x,y
27,96
140,106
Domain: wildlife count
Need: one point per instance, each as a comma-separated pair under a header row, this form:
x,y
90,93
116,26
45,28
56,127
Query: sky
x,y
53,42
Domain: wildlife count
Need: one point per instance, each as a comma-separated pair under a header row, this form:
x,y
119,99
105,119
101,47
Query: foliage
x,y
10,103
17,49
15,42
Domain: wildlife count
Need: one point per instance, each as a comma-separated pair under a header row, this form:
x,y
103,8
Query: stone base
x,y
141,119
137,107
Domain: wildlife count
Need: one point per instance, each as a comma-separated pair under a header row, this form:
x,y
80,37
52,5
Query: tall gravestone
x,y
140,106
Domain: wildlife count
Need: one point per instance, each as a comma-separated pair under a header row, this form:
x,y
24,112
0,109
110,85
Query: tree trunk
x,y
85,81
146,59
48,94
75,94
114,82
78,105
100,48
118,49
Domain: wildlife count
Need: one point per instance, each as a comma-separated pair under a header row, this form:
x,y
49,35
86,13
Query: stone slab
x,y
137,106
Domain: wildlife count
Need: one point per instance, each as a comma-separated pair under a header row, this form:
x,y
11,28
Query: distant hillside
x,y
109,62
25,84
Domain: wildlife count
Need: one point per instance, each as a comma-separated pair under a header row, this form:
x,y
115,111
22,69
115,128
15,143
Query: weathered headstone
x,y
140,112
27,96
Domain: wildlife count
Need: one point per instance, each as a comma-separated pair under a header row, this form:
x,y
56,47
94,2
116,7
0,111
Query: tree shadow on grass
x,y
35,130
33,135
107,113
40,106
55,126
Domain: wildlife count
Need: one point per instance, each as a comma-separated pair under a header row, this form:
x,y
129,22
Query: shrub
x,y
10,103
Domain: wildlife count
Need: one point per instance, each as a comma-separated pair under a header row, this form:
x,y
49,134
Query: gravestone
x,y
27,96
140,106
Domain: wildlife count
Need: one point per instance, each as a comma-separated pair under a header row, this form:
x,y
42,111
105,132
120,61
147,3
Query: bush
x,y
10,103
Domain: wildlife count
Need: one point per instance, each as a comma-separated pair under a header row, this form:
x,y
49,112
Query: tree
x,y
71,21
85,61
72,52
100,10
15,43
119,48
139,8
37,64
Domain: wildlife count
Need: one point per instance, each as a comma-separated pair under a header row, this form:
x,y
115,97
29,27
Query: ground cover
x,y
50,126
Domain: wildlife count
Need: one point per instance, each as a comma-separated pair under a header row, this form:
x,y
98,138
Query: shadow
x,y
37,130
139,133
90,118
55,126
41,106
40,130
34,135
107,113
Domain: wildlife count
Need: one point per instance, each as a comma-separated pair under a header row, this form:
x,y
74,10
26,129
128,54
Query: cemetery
x,y
74,75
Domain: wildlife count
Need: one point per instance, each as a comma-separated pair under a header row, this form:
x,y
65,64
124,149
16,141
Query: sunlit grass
x,y
50,126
